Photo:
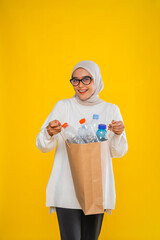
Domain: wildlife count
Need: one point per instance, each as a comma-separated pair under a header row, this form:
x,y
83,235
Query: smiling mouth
x,y
82,92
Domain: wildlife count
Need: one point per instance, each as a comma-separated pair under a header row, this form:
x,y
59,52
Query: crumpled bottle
x,y
86,132
71,134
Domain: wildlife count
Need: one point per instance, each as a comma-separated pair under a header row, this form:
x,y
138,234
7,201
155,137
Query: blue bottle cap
x,y
101,126
95,116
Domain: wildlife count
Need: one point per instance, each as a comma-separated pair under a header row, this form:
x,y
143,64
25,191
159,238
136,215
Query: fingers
x,y
54,124
54,127
118,132
116,126
53,131
112,127
114,123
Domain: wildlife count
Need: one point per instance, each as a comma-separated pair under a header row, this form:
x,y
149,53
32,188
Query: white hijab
x,y
94,70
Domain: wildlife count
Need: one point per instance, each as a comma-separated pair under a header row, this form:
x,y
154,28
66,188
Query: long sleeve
x,y
118,143
44,141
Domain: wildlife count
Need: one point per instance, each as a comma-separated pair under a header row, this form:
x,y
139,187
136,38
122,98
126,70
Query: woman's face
x,y
80,73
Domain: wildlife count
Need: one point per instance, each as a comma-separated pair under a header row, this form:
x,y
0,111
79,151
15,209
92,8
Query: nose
x,y
81,84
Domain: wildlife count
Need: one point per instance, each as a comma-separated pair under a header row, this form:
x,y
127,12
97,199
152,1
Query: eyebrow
x,y
83,77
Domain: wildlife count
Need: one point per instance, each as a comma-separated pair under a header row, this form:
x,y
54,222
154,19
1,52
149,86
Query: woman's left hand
x,y
116,126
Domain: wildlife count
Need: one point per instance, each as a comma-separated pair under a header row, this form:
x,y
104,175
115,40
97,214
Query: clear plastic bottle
x,y
71,134
86,132
95,121
101,132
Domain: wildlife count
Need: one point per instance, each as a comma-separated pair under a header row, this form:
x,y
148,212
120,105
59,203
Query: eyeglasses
x,y
85,80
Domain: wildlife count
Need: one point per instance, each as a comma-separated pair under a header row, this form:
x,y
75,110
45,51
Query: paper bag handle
x,y
64,138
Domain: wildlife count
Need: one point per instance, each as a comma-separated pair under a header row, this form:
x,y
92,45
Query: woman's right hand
x,y
54,127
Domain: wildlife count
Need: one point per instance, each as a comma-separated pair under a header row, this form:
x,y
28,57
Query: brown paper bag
x,y
88,168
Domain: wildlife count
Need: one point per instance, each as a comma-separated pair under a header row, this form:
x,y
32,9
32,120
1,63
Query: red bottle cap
x,y
83,120
65,125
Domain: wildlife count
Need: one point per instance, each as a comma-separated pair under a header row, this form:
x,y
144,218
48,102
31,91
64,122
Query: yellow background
x,y
40,43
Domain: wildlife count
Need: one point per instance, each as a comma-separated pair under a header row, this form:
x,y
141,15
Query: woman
x,y
60,194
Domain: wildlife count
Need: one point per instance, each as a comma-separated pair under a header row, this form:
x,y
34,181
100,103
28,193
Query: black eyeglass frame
x,y
81,80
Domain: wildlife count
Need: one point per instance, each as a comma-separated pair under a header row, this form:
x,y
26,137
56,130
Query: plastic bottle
x,y
86,132
71,134
95,121
101,132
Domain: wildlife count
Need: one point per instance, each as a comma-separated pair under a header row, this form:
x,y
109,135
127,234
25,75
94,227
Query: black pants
x,y
75,225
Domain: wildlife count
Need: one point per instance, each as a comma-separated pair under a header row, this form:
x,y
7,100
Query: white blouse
x,y
60,190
